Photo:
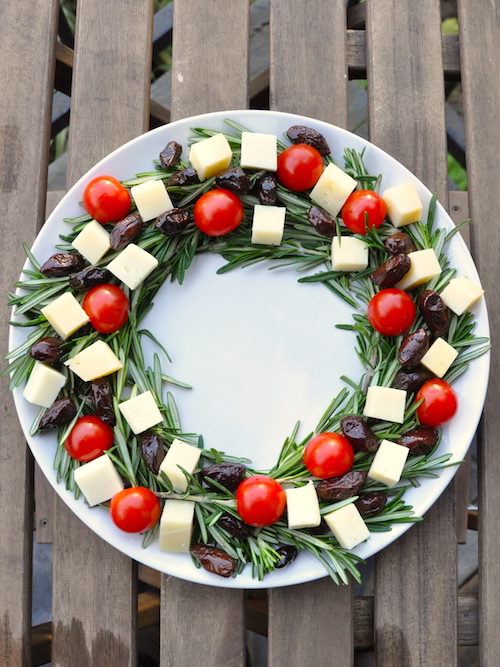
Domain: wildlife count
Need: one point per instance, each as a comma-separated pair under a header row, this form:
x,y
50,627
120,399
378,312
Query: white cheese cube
x,y
268,224
349,254
44,384
460,294
180,454
133,265
424,266
176,525
302,507
141,412
95,361
98,480
439,357
151,199
65,315
332,189
348,526
385,403
403,204
388,463
92,242
259,151
209,156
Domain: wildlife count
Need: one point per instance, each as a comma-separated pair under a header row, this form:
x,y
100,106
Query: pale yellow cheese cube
x,y
348,526
332,189
439,357
95,361
176,525
44,384
461,294
65,315
92,242
180,454
388,463
151,199
385,403
98,480
133,265
349,254
268,224
424,266
259,151
209,156
302,507
403,204
141,412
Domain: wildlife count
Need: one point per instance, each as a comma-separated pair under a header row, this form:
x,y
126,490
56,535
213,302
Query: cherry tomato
x,y
391,311
88,438
106,199
328,455
218,212
299,167
107,306
440,402
362,202
260,500
135,509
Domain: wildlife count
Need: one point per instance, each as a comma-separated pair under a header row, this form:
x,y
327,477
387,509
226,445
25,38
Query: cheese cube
x,y
424,266
151,199
460,294
439,357
302,507
98,480
348,526
403,204
176,525
133,265
209,156
385,403
44,384
141,412
259,151
349,254
268,224
95,361
92,242
180,454
332,189
65,315
388,463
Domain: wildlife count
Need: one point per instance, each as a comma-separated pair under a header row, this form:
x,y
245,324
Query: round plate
x,y
260,350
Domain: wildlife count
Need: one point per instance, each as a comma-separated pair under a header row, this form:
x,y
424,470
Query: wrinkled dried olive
x,y
288,554
412,380
62,264
47,349
419,440
267,189
186,176
301,134
370,504
434,312
400,242
234,179
322,529
322,221
359,434
89,277
61,412
173,221
170,155
214,560
390,272
102,400
152,450
340,488
413,347
125,231
234,526
229,475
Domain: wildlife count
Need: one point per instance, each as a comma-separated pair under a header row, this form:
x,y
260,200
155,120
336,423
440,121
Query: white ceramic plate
x,y
260,350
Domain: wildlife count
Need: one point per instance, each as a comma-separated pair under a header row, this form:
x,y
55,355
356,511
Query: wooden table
x,y
415,616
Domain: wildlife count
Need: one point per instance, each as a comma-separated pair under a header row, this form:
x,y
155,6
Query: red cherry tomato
x,y
299,167
88,438
106,199
362,202
107,306
440,402
260,500
135,509
391,311
328,455
218,212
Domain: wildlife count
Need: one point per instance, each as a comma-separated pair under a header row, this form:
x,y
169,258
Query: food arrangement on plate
x,y
251,196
